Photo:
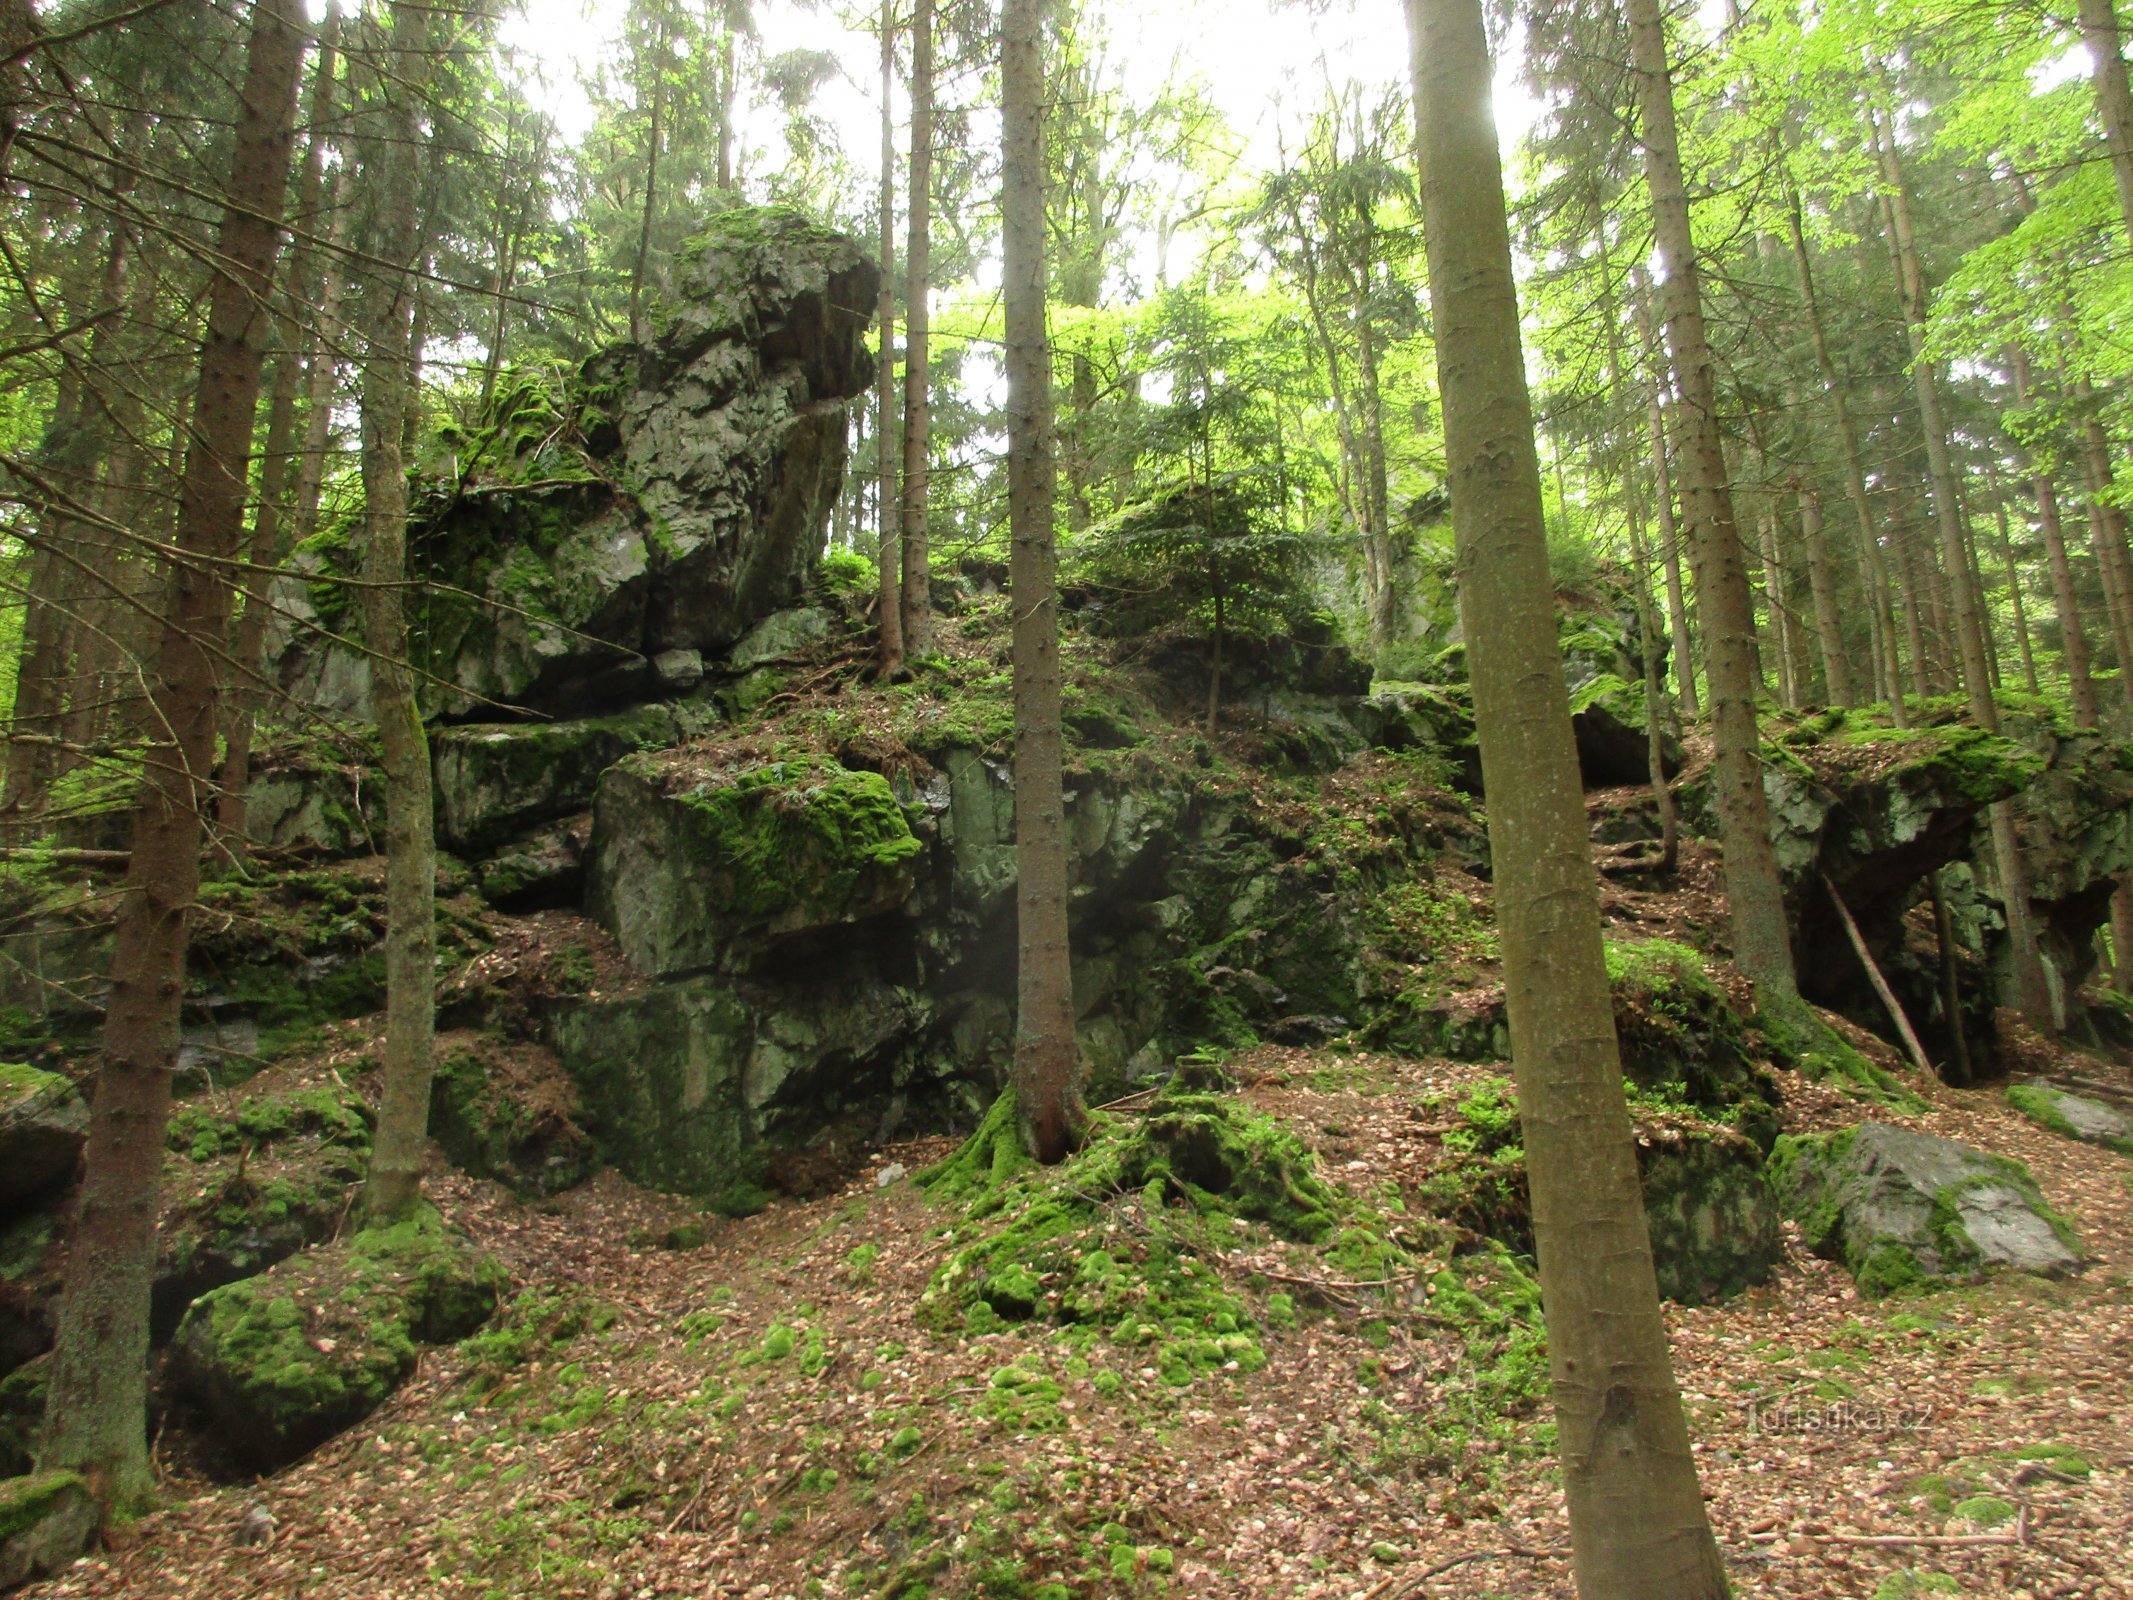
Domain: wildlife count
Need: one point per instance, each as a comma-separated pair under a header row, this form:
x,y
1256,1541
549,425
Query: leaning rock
x,y
47,1520
693,872
282,1362
2075,1116
1899,1207
43,1122
1607,717
1713,1219
779,636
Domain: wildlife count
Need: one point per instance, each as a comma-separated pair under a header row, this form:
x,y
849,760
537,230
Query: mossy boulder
x,y
1710,1209
2074,1115
1608,719
693,872
43,1123
281,1362
511,1114
1902,1208
496,780
47,1520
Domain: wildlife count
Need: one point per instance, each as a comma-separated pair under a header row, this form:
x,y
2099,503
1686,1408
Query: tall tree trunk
x,y
1888,669
1761,943
2073,636
395,1181
1829,615
640,262
2032,990
890,531
918,394
2024,646
300,348
96,1417
19,29
2102,32
1637,1522
1677,609
1047,1058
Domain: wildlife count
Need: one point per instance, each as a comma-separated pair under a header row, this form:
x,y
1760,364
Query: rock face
x,y
1899,1207
283,1361
669,502
43,1123
496,781
47,1520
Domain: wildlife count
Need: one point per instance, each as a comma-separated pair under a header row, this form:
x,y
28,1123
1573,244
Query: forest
x,y
930,800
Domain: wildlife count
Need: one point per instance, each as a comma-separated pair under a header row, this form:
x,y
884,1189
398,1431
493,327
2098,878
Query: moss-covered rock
x,y
43,1123
1713,1218
47,1520
509,1114
2073,1115
1901,1208
495,780
692,872
281,1362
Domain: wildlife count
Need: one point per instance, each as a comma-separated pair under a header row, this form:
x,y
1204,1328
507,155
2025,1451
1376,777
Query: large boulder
x,y
281,1362
590,543
43,1122
1899,1207
47,1520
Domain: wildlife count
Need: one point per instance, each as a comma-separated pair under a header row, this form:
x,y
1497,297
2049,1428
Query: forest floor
x,y
641,1427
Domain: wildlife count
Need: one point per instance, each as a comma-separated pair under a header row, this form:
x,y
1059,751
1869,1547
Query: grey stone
x,y
495,780
677,670
779,636
50,1519
2074,1115
43,1123
1897,1206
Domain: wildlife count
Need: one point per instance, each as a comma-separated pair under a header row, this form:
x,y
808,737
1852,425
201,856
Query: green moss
x,y
330,1116
19,1081
804,835
26,1501
1912,1585
1985,1510
1802,1040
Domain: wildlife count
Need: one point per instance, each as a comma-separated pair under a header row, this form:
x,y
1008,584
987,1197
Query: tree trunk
x,y
1637,1522
2073,637
640,262
918,399
1888,669
890,530
2101,31
1829,616
2024,646
1677,610
395,1180
1761,943
96,1418
2032,991
1047,1058
300,347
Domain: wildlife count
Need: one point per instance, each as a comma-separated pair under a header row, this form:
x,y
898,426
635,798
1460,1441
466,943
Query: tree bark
x,y
300,348
2102,32
1761,943
1047,1058
1829,615
96,1419
2073,636
918,398
890,545
2032,990
1888,668
395,1180
2024,646
1637,1522
1677,609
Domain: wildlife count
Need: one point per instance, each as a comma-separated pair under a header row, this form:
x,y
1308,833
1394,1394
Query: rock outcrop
x,y
43,1121
592,546
1899,1207
47,1520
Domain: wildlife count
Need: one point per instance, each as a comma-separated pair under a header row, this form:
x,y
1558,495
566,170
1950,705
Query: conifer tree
x,y
1636,1512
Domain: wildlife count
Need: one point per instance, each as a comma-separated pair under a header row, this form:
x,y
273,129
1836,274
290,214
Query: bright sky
x,y
1254,57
